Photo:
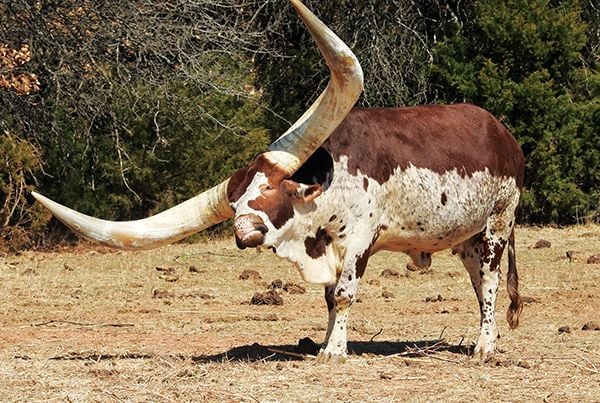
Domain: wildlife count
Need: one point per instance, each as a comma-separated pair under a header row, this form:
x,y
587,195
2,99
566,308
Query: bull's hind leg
x,y
481,257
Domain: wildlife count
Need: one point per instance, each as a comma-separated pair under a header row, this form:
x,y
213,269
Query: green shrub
x,y
19,219
524,61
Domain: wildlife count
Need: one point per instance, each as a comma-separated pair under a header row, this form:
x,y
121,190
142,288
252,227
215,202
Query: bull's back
x,y
441,138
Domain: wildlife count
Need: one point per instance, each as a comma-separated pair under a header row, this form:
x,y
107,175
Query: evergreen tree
x,y
524,61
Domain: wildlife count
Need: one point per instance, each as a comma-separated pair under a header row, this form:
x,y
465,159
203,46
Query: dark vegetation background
x,y
122,108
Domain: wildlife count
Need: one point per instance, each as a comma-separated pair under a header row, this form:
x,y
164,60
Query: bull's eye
x,y
265,188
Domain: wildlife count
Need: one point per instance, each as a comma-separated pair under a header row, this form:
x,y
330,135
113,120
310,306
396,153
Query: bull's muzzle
x,y
249,231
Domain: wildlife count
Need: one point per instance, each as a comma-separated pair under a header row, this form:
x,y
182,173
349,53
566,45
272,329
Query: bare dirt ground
x,y
97,325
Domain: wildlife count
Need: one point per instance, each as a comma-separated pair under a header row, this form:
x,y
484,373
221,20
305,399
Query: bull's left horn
x,y
294,147
202,211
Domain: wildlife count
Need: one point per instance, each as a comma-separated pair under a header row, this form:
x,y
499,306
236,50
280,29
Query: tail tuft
x,y
512,285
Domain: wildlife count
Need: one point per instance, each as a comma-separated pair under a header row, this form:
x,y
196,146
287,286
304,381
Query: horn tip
x,y
37,196
299,6
43,200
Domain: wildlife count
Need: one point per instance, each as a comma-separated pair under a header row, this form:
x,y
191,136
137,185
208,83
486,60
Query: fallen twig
x,y
291,354
588,361
177,258
376,334
68,322
92,356
592,370
441,336
427,352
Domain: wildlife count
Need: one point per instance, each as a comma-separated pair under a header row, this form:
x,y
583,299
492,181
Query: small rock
x,y
276,285
510,363
434,299
591,326
195,294
389,273
530,300
195,269
166,270
163,294
307,346
249,274
594,259
294,288
410,266
542,243
501,363
68,267
169,278
564,329
268,298
385,375
386,294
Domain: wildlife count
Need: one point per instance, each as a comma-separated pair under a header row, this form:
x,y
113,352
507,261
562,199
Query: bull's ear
x,y
301,191
309,193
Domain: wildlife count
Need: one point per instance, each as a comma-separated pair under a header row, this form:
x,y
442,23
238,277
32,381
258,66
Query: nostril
x,y
262,228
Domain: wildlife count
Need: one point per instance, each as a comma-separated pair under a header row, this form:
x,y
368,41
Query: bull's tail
x,y
512,284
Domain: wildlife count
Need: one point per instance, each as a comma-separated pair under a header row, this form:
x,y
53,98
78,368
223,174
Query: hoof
x,y
483,356
329,358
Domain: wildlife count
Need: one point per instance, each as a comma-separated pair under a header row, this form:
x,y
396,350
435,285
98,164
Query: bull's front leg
x,y
339,298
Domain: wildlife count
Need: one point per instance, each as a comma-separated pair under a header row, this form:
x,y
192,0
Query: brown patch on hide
x,y
315,247
437,137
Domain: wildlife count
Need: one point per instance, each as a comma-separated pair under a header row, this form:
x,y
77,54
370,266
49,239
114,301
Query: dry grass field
x,y
176,324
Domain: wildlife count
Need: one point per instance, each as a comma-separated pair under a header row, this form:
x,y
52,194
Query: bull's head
x,y
262,197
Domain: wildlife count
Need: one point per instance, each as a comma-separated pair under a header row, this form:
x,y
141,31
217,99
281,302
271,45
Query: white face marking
x,y
252,192
241,206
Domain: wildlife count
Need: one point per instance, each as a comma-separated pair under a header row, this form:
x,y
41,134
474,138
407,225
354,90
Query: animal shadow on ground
x,y
288,352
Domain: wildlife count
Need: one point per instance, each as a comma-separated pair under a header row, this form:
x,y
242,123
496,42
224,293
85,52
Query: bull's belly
x,y
426,211
408,238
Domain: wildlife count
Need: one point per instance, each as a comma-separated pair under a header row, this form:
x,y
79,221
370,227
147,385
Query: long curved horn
x,y
294,147
212,206
202,211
